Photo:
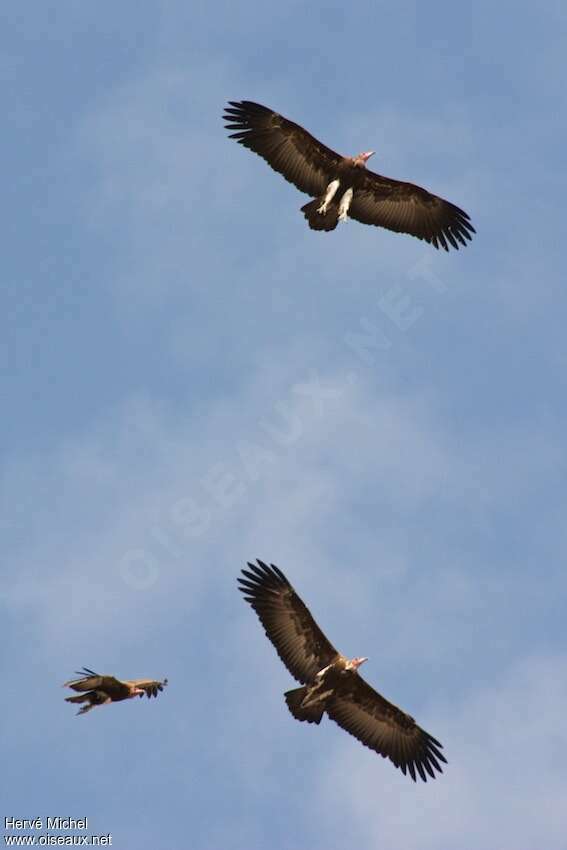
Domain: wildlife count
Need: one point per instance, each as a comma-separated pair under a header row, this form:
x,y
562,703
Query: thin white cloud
x,y
504,785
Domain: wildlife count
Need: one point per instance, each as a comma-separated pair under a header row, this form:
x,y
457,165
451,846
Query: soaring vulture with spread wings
x,y
342,185
330,681
99,690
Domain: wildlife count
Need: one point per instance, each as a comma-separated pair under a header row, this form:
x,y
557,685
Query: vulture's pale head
x,y
355,663
362,158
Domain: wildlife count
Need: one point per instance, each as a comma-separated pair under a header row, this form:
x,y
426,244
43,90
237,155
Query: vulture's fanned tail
x,y
321,221
294,698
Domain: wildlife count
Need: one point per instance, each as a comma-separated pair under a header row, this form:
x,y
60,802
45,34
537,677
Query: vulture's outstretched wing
x,y
383,727
298,640
151,686
286,147
406,208
91,681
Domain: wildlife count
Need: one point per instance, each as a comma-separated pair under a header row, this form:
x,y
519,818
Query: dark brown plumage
x,y
312,168
99,690
330,681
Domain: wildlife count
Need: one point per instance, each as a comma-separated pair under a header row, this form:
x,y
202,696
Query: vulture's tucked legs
x,y
329,195
315,695
345,204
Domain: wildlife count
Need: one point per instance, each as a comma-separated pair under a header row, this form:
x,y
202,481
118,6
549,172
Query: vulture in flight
x,y
331,682
342,185
99,690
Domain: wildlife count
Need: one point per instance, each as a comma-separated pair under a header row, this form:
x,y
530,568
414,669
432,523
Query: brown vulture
x,y
331,681
99,690
342,185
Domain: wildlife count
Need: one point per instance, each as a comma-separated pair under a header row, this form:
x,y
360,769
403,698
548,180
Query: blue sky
x,y
192,379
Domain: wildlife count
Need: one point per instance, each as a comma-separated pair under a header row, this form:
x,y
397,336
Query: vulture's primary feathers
x,y
98,690
330,681
343,185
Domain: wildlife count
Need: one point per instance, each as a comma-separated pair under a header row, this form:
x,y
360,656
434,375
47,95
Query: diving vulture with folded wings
x,y
330,681
342,185
99,690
